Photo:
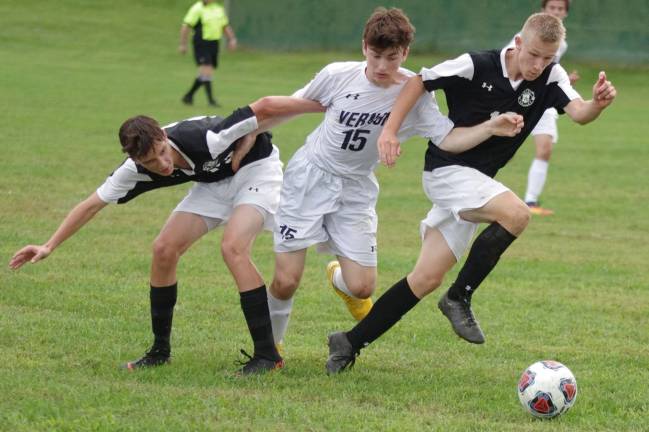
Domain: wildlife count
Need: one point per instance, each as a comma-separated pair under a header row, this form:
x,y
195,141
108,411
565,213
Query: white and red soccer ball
x,y
547,389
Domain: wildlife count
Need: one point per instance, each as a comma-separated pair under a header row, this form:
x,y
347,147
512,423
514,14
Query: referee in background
x,y
209,21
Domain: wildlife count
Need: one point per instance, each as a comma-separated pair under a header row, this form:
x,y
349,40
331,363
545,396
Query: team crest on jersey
x,y
212,165
526,98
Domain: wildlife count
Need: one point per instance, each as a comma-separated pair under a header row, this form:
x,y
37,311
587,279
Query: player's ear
x,y
518,41
406,51
364,45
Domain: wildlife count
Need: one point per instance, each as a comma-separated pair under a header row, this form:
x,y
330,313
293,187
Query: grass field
x,y
572,288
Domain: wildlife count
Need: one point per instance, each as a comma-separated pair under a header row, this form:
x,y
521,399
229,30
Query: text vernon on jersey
x,y
357,119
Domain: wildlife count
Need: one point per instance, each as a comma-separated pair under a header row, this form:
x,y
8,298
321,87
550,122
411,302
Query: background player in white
x,y
330,191
519,78
545,132
200,150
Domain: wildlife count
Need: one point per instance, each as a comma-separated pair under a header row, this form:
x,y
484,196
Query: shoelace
x,y
466,305
250,358
349,360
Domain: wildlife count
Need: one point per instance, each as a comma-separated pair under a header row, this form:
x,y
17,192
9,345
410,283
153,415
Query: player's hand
x,y
573,77
389,148
31,253
603,91
508,124
182,48
232,44
241,149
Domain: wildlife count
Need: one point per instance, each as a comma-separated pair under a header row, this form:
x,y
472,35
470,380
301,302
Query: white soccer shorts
x,y
453,189
337,213
257,184
547,125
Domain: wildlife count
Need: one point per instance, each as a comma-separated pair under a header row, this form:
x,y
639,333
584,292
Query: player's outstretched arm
x,y
388,142
78,217
461,139
584,112
272,110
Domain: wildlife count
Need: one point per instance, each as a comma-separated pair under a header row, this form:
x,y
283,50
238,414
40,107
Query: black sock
x,y
385,313
485,253
255,308
197,84
163,300
208,90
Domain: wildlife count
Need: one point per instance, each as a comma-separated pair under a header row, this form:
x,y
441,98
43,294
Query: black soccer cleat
x,y
460,315
187,100
258,365
214,103
154,357
341,353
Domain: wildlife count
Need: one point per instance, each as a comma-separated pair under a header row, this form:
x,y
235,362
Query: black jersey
x,y
477,88
206,143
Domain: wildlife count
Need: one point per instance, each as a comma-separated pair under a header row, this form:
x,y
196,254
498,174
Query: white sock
x,y
339,283
536,180
280,312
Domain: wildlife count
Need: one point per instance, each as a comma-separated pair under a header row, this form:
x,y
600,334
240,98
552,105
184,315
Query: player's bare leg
x,y
354,283
179,232
239,235
538,174
508,217
289,267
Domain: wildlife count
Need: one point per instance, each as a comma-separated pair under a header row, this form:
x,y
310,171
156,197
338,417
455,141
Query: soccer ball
x,y
547,389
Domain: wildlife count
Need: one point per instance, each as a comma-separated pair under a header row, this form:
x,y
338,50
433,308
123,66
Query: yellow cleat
x,y
359,308
280,348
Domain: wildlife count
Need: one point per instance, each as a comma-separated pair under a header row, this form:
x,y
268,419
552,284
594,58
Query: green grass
x,y
572,288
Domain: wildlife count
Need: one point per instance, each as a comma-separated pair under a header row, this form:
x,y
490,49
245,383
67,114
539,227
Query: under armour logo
x,y
487,86
468,288
253,189
353,96
373,248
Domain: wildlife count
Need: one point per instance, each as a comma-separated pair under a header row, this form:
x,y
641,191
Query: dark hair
x,y
566,2
138,134
388,28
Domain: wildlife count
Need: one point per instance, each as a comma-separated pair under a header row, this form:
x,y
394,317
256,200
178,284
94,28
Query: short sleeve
x,y
320,89
448,72
193,15
121,182
426,120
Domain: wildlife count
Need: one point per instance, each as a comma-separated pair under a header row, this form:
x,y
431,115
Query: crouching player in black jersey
x,y
202,150
520,78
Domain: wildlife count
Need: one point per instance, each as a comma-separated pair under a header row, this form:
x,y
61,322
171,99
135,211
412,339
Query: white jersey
x,y
345,142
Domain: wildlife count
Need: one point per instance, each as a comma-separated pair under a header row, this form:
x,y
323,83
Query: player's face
x,y
556,8
383,66
159,160
534,56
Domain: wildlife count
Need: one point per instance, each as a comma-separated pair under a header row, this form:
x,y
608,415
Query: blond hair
x,y
548,28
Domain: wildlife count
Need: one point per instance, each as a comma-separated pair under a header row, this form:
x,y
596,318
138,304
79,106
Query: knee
x,y
362,289
233,251
423,283
518,217
165,252
283,286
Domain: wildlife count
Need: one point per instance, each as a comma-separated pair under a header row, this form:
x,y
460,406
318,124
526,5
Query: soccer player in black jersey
x,y
520,78
241,194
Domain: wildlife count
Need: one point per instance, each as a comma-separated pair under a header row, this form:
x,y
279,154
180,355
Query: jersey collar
x,y
503,64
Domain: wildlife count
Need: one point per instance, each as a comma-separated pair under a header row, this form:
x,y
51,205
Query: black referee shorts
x,y
206,53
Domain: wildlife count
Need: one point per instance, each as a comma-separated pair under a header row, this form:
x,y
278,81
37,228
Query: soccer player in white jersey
x,y
329,192
519,78
546,133
200,149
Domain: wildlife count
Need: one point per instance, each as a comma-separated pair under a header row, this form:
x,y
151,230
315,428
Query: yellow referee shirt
x,y
210,17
